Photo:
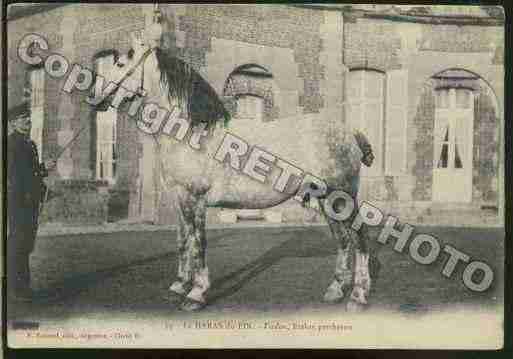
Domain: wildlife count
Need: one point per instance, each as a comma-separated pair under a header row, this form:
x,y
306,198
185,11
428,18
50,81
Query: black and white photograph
x,y
254,175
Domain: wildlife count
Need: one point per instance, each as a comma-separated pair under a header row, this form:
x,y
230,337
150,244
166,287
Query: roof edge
x,y
15,11
395,14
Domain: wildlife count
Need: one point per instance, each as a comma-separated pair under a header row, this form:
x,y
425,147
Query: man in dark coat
x,y
24,194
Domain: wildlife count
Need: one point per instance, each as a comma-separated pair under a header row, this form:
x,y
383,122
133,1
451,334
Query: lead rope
x,y
141,89
142,61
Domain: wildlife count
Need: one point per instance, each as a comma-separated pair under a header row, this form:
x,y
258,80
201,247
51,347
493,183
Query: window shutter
x,y
353,100
354,118
372,125
396,122
354,86
364,112
106,130
37,80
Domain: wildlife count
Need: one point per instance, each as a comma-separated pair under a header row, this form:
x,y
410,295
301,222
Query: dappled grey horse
x,y
197,180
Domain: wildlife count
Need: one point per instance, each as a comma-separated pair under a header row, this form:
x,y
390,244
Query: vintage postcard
x,y
254,176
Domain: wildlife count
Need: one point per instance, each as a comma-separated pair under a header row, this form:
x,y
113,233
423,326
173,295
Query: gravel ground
x,y
252,270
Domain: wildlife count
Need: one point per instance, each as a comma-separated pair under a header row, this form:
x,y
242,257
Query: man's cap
x,y
19,111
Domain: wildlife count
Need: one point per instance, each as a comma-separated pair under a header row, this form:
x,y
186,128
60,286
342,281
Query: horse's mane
x,y
184,84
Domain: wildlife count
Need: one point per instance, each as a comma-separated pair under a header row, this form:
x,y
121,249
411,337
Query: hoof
x,y
190,305
334,293
355,307
358,300
178,289
359,295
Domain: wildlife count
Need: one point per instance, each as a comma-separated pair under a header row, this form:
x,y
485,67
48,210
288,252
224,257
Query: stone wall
x,y
76,202
308,53
424,50
273,26
47,24
373,44
423,123
78,33
486,148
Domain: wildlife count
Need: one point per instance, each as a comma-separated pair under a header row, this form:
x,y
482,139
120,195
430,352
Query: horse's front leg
x,y
193,278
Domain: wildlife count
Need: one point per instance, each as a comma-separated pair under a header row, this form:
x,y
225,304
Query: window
x,y
454,109
364,111
253,88
106,154
37,87
250,107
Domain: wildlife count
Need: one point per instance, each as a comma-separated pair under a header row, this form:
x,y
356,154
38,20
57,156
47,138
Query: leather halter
x,y
129,73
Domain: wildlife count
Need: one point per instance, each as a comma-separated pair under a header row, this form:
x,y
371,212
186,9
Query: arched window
x,y
106,131
364,97
453,135
252,88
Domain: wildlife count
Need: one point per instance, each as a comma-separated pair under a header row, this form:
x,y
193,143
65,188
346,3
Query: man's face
x,y
23,125
368,159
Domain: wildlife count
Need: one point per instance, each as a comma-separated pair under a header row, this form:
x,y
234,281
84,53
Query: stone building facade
x,y
424,83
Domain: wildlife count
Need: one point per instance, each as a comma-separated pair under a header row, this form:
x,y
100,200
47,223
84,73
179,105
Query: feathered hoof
x,y
189,305
178,289
358,299
334,293
355,307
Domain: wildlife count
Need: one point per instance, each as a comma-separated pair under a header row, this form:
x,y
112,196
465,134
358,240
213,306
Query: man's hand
x,y
50,164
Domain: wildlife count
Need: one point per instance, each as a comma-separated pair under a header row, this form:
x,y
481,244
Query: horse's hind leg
x,y
193,279
362,281
343,277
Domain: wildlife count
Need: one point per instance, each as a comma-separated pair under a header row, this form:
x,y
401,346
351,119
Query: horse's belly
x,y
199,171
241,191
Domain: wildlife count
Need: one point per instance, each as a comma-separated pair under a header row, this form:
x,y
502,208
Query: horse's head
x,y
129,69
167,80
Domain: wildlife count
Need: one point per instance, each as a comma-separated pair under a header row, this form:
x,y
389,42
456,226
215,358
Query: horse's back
x,y
199,171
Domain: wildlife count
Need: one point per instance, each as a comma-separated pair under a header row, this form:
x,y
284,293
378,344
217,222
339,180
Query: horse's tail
x,y
363,142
